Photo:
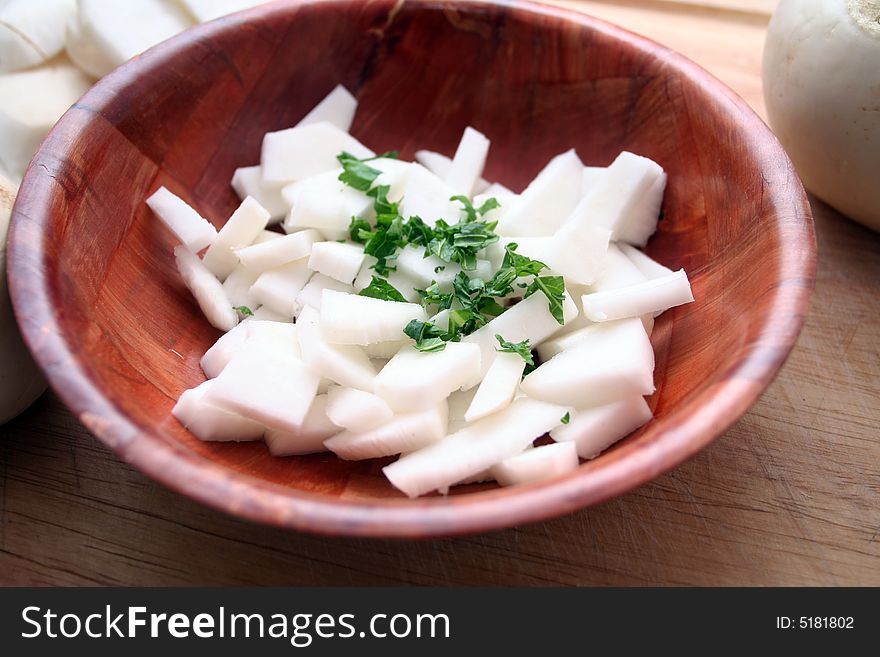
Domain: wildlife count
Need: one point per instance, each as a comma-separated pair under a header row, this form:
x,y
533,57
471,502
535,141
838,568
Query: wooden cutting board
x,y
790,495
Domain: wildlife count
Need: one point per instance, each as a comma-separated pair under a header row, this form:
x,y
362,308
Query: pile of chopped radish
x,y
415,309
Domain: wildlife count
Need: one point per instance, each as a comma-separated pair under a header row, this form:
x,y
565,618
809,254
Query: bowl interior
x,y
101,304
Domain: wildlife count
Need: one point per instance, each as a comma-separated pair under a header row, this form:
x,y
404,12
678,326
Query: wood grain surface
x,y
788,496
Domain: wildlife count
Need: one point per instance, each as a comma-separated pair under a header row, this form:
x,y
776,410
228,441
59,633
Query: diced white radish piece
x,y
30,103
411,262
265,314
353,319
459,402
615,362
222,351
648,297
615,195
641,221
594,430
403,433
316,428
237,287
243,227
506,200
83,52
209,423
591,177
248,181
538,464
427,196
313,292
32,32
619,272
337,108
562,342
530,319
468,162
439,164
495,189
275,253
206,289
386,350
482,477
146,23
267,332
189,226
338,260
268,383
547,201
267,236
413,379
278,288
494,254
326,203
357,410
474,448
580,257
395,175
305,151
649,267
498,387
347,365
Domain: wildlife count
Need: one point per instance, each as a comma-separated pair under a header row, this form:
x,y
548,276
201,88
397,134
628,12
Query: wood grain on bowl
x,y
100,304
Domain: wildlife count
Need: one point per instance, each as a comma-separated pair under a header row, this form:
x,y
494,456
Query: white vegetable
x,y
468,162
30,103
530,319
266,314
656,295
189,226
267,236
617,361
411,262
222,351
616,196
243,227
268,384
398,279
237,287
619,272
326,203
340,261
386,350
284,334
306,151
278,288
591,177
579,256
313,293
353,319
459,402
413,380
121,30
338,108
277,252
19,391
439,164
32,32
357,410
641,221
208,10
505,198
206,289
248,181
544,462
209,423
821,81
547,201
474,448
427,196
495,189
316,428
649,267
593,430
403,433
347,365
498,387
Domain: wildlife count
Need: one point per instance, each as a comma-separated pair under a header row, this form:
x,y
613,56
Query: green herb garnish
x,y
566,418
523,349
379,288
428,337
553,288
244,310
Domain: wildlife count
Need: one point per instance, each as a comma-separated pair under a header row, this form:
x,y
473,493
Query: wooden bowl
x,y
104,311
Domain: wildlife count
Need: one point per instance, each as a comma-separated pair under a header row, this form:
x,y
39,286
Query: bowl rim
x,y
709,411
